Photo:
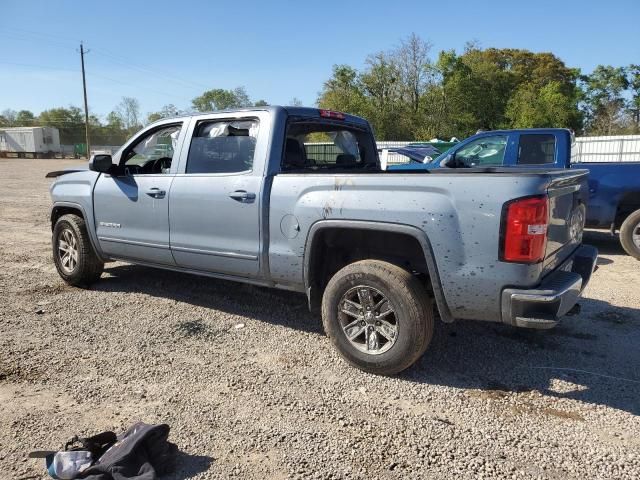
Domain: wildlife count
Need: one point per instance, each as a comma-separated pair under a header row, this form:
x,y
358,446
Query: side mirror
x,y
101,163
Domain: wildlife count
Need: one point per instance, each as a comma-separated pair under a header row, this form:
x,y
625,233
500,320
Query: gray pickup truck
x,y
295,198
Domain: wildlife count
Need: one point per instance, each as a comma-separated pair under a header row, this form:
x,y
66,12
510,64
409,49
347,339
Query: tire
x,y
630,228
408,315
83,268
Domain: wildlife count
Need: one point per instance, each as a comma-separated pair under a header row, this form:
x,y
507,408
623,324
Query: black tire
x,y
87,267
412,311
629,226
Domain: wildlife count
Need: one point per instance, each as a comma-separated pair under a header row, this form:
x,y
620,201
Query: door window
x,y
223,147
536,149
154,152
482,152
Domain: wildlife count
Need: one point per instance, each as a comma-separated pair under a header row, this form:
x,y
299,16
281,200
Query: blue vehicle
x,y
614,187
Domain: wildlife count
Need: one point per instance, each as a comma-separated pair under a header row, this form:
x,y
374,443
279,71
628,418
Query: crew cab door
x,y
215,203
131,206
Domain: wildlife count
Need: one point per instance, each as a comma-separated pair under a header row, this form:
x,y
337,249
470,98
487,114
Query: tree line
x,y
407,95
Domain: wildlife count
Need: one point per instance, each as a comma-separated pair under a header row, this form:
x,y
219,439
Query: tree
x,y
24,118
69,121
9,117
261,103
603,100
129,112
295,102
221,99
167,111
532,107
633,72
414,68
343,91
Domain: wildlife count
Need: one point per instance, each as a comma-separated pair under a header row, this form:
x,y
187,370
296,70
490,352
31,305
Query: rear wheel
x,y
73,253
630,234
378,315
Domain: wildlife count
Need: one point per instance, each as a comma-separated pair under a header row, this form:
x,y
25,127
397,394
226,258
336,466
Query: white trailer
x,y
29,141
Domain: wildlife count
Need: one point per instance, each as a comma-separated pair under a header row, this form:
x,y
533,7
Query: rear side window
x,y
536,149
223,147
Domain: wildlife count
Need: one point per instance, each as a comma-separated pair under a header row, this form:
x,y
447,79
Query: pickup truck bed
x,y
614,187
245,196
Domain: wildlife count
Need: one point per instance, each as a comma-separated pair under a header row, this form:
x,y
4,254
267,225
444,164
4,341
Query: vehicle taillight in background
x,y
331,114
524,231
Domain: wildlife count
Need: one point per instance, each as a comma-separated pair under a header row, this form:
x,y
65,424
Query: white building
x,y
37,141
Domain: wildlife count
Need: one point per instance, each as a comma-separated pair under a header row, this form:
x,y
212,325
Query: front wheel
x,y
630,234
378,315
73,253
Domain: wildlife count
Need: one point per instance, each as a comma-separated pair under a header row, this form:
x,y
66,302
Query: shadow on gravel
x,y
277,307
592,357
188,466
606,243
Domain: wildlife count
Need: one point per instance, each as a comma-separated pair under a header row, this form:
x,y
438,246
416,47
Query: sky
x,y
168,52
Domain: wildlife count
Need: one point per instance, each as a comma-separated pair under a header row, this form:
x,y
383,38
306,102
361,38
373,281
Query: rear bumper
x,y
541,307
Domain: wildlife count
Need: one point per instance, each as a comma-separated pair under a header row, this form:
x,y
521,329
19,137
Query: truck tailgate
x,y
568,194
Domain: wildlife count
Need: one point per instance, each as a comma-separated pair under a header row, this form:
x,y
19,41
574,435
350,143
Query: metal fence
x,y
622,148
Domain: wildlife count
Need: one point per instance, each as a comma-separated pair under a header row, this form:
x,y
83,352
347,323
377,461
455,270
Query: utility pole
x,y
86,106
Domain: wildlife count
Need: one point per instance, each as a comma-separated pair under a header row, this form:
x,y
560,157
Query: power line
x,y
146,69
23,34
92,74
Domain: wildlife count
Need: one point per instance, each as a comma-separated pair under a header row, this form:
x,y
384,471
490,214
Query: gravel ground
x,y
274,400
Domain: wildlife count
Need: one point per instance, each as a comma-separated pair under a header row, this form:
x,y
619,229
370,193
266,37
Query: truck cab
x,y
535,147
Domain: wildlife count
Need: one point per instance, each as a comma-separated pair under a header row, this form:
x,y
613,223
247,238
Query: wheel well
x,y
334,248
629,203
58,212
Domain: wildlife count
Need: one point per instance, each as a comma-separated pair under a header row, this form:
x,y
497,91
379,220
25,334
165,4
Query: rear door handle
x,y
155,192
243,196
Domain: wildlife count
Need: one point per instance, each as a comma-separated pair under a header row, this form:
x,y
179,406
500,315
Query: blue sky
x,y
170,51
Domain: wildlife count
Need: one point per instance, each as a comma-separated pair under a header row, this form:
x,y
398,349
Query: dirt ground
x,y
253,389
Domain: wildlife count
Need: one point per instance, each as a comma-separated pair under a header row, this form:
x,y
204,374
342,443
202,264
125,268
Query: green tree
x,y
261,103
548,106
69,121
343,91
24,118
634,85
221,99
604,102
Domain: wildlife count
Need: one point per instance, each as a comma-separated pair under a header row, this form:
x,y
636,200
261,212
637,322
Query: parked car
x,y
614,187
376,252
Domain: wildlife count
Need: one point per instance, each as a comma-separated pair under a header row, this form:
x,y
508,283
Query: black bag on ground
x,y
140,453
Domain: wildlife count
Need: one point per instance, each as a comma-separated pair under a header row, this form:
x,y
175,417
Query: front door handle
x,y
243,196
155,192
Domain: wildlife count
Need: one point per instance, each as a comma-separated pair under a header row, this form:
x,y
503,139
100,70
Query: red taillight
x,y
525,230
332,114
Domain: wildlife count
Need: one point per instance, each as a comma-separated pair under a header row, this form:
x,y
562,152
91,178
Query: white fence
x,y
621,148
